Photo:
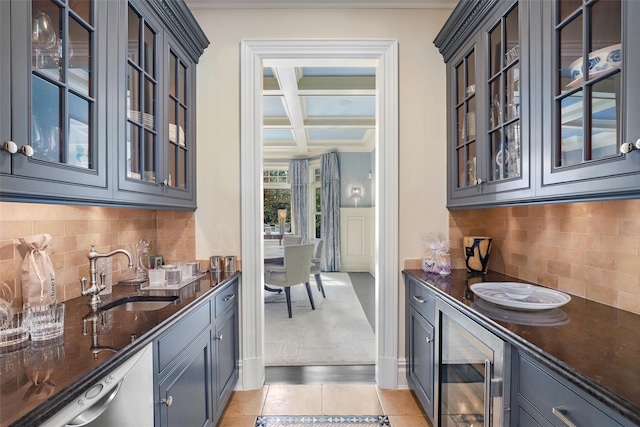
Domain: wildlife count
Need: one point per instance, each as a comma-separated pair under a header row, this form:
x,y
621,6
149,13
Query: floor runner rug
x,y
324,421
337,332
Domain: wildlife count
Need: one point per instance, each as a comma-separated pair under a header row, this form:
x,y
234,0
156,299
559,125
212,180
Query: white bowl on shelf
x,y
600,61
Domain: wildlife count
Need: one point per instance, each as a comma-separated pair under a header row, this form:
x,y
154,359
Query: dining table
x,y
273,255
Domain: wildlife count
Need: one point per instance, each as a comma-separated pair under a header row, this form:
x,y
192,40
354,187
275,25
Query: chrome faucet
x,y
95,288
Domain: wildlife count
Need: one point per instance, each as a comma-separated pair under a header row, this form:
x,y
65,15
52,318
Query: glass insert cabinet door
x,y
63,100
588,43
505,145
158,113
465,145
142,89
178,113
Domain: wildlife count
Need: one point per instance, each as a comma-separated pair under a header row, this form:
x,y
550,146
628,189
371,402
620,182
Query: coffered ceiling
x,y
314,110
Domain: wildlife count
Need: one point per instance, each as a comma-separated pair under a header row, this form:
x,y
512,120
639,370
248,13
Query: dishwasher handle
x,y
97,408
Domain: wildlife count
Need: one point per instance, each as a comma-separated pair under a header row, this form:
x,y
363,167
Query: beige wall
x,y
421,105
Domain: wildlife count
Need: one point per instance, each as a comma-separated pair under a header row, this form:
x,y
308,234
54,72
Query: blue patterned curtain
x,y
330,211
299,180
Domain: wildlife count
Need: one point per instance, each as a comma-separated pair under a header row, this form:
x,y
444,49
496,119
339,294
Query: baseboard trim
x,y
251,374
402,374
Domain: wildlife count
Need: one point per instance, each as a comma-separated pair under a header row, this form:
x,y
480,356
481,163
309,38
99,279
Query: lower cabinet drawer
x,y
183,333
558,403
226,299
423,300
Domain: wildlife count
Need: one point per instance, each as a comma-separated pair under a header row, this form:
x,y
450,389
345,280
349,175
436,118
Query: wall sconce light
x,y
356,193
282,217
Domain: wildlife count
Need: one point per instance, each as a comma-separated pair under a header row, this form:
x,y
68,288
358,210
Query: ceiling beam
x,y
288,82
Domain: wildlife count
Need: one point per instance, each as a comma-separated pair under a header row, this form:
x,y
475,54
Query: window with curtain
x,y
277,195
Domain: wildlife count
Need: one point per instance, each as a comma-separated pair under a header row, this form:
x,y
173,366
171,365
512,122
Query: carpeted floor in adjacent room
x,y
337,332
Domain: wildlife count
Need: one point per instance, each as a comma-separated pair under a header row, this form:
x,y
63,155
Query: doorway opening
x,y
381,54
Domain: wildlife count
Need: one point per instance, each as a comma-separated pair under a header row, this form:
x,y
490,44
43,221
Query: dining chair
x,y
315,264
288,240
294,271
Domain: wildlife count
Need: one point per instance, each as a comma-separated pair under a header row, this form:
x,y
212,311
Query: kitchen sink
x,y
139,303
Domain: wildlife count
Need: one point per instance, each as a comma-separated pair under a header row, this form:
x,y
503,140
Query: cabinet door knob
x,y
628,147
219,338
478,181
168,401
429,340
10,146
27,150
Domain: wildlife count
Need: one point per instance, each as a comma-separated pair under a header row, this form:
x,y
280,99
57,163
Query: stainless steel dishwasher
x,y
122,398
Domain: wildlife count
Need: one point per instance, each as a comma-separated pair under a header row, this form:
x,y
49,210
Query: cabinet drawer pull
x,y
168,401
419,299
229,297
561,414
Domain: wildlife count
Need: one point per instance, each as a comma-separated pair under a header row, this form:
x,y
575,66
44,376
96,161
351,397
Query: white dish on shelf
x,y
600,61
540,299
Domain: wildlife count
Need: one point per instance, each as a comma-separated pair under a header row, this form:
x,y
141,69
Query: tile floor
x,y
323,399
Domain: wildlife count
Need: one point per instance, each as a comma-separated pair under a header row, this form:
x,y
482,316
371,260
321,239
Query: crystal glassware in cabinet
x,y
62,98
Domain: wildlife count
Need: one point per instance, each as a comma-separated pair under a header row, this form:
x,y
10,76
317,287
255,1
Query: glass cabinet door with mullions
x,y
590,94
489,100
58,103
505,142
465,117
158,154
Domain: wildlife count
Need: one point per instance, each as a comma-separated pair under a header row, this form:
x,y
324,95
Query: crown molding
x,y
330,4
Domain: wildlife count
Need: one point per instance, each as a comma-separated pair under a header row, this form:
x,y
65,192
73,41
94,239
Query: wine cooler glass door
x,y
471,372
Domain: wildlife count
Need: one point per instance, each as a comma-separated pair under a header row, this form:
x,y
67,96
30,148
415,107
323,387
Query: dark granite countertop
x,y
38,380
592,345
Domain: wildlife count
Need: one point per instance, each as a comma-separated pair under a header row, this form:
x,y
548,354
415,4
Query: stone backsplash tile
x,y
75,228
587,249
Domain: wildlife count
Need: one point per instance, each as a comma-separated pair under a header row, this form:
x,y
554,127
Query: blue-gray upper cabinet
x,y
160,46
97,102
527,123
53,125
486,47
588,114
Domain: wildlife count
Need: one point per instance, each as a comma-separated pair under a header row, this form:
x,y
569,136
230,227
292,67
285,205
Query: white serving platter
x,y
541,298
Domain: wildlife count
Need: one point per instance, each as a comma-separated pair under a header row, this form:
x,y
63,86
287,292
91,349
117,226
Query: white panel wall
x,y
357,239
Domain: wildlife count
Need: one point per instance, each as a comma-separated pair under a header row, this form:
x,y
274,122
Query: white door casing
x,y
379,53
